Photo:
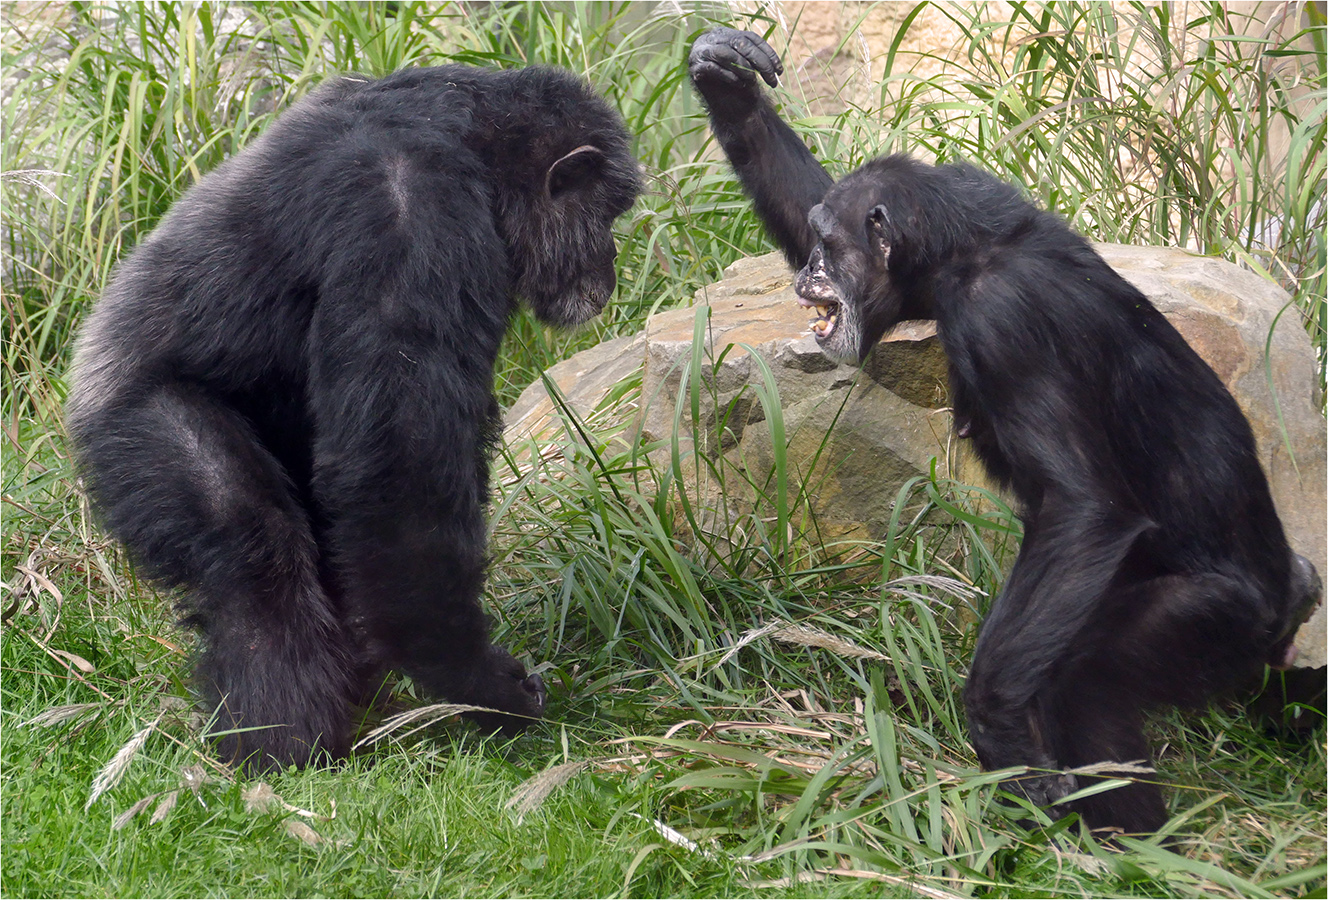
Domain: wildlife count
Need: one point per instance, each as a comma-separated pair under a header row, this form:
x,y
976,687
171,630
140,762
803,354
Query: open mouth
x,y
827,315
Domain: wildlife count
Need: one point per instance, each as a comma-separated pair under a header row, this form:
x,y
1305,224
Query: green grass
x,y
742,706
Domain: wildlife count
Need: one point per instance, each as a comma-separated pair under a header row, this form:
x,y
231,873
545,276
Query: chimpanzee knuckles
x,y
734,57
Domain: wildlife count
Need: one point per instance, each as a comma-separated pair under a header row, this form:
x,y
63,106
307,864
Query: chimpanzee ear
x,y
878,229
574,170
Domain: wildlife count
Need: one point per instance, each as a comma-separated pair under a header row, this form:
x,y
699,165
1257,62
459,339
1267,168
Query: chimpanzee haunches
x,y
1154,569
283,402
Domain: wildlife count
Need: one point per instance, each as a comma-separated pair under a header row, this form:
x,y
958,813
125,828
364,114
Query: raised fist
x,y
723,66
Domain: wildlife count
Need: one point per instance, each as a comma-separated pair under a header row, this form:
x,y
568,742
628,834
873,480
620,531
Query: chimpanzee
x,y
1154,569
283,403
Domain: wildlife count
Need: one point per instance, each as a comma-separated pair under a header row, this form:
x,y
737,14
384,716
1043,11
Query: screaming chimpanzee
x,y
1154,569
283,403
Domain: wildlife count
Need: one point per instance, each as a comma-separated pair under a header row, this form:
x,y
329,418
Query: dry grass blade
x,y
164,808
124,818
1113,768
1081,861
58,715
674,836
40,580
952,586
429,715
75,660
534,791
787,882
299,830
808,636
114,770
747,637
36,178
260,798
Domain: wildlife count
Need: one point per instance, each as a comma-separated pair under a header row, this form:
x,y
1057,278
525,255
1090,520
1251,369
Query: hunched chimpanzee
x,y
283,402
1154,569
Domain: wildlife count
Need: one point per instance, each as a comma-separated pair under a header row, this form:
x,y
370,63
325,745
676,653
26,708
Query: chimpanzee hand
x,y
723,65
500,682
1045,790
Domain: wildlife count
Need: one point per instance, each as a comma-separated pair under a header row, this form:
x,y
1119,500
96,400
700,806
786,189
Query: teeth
x,y
823,325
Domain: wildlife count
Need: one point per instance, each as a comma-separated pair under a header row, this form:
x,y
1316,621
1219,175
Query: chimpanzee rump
x,y
283,402
1154,569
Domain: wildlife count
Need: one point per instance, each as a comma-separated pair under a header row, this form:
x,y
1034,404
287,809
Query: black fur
x,y
283,403
1154,569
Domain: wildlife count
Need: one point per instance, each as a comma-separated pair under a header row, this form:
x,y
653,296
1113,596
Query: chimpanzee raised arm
x,y
778,172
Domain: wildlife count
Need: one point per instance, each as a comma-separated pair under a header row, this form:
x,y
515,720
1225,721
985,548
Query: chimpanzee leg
x,y
1173,640
1181,639
1093,718
1072,551
203,506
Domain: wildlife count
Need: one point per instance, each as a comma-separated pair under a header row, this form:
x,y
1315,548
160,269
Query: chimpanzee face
x,y
564,251
847,278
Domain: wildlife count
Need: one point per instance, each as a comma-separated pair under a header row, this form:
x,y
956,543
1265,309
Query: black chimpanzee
x,y
1154,569
283,402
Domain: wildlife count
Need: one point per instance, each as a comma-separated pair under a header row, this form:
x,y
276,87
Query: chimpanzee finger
x,y
702,71
754,54
714,57
761,55
734,57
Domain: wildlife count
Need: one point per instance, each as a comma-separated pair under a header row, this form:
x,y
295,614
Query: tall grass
x,y
750,707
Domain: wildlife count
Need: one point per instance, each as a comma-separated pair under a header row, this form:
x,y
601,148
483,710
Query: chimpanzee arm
x,y
402,346
776,169
398,472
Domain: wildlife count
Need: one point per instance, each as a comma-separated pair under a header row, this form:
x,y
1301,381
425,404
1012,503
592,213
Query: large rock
x,y
585,380
890,420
